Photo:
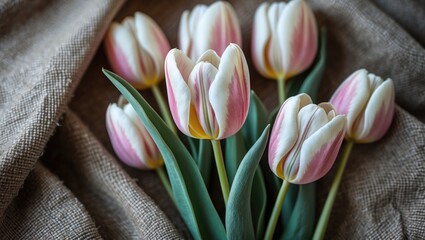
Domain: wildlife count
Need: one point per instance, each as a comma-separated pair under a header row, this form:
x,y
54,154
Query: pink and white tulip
x,y
368,103
208,27
305,140
209,98
284,39
136,50
130,139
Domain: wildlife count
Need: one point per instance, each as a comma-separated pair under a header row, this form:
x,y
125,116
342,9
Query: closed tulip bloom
x,y
284,39
209,98
305,140
136,49
130,139
368,103
208,27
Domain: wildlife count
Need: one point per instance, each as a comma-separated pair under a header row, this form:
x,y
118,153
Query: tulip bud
x,y
209,99
368,103
305,140
136,50
284,39
130,139
208,27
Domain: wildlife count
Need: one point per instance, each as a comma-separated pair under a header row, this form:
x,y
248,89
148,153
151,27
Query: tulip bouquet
x,y
212,105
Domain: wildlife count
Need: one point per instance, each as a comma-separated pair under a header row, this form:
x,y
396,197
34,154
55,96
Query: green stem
x,y
165,181
322,224
276,210
163,108
281,88
222,175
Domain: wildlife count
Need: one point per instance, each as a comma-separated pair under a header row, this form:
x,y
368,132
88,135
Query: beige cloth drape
x,y
59,178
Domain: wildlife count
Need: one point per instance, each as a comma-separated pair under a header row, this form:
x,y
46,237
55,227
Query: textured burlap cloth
x,y
59,178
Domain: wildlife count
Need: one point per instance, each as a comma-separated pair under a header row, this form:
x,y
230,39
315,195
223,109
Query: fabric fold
x,y
46,209
119,207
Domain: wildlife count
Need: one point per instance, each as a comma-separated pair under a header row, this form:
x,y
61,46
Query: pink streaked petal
x,y
121,50
320,150
230,91
285,131
188,24
310,119
125,141
217,28
273,51
260,39
374,123
153,46
177,70
184,37
199,83
351,97
297,31
150,151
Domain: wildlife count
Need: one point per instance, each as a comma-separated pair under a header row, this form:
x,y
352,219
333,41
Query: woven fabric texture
x,y
60,179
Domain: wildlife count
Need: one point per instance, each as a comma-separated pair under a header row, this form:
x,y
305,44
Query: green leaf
x,y
191,195
313,76
288,204
238,211
258,203
193,145
236,149
234,153
301,222
204,160
255,121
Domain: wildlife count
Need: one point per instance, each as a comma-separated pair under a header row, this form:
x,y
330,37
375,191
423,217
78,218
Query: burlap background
x,y
74,188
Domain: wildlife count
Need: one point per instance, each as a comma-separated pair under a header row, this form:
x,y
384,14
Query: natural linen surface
x,y
59,178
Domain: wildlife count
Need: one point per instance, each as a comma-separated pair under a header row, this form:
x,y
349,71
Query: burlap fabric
x,y
59,178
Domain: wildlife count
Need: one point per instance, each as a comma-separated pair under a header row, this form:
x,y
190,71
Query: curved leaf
x,y
301,222
204,160
288,204
258,203
191,195
234,153
238,212
255,121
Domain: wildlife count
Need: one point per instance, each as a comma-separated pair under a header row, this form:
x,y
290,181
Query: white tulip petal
x,y
261,35
377,116
152,40
124,38
229,93
131,139
310,119
177,70
216,29
211,57
319,151
285,131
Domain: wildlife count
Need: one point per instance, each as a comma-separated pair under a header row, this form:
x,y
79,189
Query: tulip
x,y
130,139
208,27
368,103
136,49
284,38
304,144
305,140
209,99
